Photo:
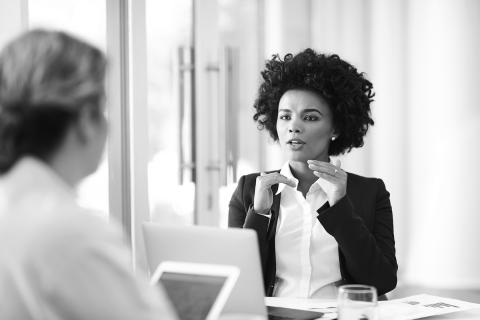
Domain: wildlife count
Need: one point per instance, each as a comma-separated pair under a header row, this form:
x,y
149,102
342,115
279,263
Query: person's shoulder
x,y
67,231
359,181
73,228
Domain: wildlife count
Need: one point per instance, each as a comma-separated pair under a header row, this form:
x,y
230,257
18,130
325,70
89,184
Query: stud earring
x,y
333,138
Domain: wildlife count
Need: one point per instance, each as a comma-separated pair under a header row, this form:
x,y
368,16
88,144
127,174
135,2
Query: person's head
x,y
52,92
319,99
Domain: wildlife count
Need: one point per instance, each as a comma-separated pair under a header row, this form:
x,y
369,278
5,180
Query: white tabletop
x,y
462,315
392,309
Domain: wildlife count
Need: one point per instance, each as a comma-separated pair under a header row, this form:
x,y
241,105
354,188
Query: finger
x,y
280,178
290,182
321,167
324,167
321,164
318,165
327,176
330,169
270,179
265,176
318,162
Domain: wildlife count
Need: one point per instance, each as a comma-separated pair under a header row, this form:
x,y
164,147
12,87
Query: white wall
x,y
444,125
342,27
287,30
13,19
388,145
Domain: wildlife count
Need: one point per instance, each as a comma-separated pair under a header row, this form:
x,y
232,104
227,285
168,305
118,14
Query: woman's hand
x,y
263,199
333,174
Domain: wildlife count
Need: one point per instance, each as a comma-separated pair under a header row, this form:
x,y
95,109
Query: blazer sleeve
x,y
241,214
369,254
236,207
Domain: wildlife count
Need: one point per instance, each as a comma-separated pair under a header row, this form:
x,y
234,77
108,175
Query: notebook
x,y
197,291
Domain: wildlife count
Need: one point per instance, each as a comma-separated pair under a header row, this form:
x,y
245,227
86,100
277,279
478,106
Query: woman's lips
x,y
295,144
295,141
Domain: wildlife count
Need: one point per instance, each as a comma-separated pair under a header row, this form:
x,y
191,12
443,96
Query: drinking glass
x,y
357,302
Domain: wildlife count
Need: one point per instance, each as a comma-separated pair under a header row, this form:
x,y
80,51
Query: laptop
x,y
210,245
199,244
197,291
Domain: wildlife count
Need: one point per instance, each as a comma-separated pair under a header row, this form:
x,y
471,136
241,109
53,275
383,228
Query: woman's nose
x,y
294,127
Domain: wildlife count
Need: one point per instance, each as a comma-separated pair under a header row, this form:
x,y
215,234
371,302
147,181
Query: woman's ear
x,y
85,126
334,135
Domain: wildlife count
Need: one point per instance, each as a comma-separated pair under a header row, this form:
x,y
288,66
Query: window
x,y
171,183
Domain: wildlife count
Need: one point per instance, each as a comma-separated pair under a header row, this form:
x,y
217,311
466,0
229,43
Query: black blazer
x,y
361,222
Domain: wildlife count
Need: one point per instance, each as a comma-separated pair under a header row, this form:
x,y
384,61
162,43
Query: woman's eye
x,y
284,117
309,117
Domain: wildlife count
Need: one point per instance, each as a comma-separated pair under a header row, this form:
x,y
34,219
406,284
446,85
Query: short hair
x,y
46,77
347,92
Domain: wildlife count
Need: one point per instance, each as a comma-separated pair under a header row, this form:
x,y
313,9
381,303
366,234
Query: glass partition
x,y
171,113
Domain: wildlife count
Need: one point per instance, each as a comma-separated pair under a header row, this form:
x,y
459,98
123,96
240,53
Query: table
x,y
325,305
462,315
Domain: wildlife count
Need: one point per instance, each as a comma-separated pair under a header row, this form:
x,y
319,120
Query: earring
x,y
333,138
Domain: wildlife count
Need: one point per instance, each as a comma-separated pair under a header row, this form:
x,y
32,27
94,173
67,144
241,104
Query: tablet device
x,y
197,291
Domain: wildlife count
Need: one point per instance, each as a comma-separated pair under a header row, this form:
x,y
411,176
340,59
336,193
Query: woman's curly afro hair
x,y
347,92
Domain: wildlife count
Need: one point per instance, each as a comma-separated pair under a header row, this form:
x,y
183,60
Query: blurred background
x,y
183,79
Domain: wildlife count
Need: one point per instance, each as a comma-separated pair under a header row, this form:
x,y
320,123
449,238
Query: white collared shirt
x,y
60,261
306,255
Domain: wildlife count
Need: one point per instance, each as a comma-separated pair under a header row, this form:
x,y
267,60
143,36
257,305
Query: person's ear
x,y
334,135
85,127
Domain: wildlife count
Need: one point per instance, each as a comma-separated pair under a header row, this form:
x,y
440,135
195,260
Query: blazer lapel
x,y
272,227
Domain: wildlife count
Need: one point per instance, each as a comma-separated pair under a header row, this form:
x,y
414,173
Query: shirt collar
x,y
46,179
320,183
287,173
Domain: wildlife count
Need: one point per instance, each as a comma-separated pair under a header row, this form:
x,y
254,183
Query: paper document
x,y
420,306
409,308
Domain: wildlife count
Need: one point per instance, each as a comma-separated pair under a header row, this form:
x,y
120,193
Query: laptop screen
x,y
197,291
192,295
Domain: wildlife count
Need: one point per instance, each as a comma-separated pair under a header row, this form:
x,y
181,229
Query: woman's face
x,y
304,126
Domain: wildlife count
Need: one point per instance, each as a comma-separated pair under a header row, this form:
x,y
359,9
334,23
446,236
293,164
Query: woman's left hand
x,y
333,174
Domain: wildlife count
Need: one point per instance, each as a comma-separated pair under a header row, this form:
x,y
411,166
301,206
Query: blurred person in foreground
x,y
58,260
318,226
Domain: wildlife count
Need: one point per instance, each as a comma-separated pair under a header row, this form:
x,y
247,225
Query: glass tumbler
x,y
357,302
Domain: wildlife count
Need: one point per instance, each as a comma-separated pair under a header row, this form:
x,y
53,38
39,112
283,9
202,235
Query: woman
x,y
318,226
58,260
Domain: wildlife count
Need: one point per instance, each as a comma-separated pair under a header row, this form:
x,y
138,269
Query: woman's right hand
x,y
263,199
